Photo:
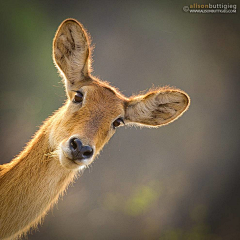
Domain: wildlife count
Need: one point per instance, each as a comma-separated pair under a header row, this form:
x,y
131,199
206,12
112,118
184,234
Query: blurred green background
x,y
180,181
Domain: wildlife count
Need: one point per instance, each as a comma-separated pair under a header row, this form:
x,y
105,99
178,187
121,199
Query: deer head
x,y
94,109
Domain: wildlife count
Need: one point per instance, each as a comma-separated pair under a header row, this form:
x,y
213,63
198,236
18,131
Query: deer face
x,y
94,109
94,114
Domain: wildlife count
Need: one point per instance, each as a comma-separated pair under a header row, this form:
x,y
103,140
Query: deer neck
x,y
31,184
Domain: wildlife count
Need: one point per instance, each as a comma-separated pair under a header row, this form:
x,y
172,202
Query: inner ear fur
x,y
157,108
71,51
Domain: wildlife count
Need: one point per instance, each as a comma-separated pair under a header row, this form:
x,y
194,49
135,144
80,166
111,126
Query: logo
x,y
211,8
186,8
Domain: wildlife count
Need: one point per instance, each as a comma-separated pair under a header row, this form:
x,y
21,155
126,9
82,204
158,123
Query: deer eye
x,y
78,98
117,122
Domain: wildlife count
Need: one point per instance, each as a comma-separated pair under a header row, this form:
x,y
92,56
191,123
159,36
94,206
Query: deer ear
x,y
71,53
156,108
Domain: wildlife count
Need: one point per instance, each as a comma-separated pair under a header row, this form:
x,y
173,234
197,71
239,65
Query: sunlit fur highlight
x,y
33,181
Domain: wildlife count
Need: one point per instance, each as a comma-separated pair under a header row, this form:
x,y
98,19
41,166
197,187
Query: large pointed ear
x,y
156,108
71,52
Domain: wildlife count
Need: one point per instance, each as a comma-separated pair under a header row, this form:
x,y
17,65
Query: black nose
x,y
78,150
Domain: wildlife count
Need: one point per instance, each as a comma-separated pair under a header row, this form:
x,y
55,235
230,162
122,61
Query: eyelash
x,y
118,122
78,97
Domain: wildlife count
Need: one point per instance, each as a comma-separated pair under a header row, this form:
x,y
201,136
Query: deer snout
x,y
79,151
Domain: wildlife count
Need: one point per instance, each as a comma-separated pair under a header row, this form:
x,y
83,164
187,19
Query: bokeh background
x,y
180,181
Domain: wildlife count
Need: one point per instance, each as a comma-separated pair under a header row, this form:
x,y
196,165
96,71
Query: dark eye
x,y
117,122
78,98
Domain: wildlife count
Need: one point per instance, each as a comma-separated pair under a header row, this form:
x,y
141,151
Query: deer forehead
x,y
102,100
101,106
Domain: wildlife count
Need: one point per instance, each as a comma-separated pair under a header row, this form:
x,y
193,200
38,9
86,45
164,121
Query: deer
x,y
71,138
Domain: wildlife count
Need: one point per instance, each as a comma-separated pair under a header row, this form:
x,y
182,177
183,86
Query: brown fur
x,y
32,182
